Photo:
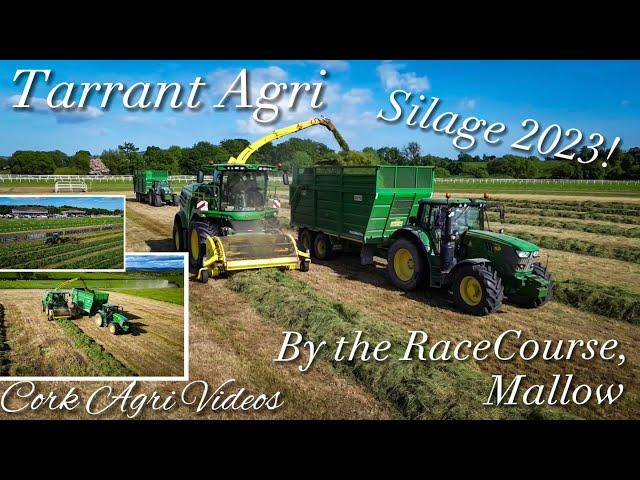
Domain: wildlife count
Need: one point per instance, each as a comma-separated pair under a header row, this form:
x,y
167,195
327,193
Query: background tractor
x,y
443,243
56,239
226,224
152,187
55,304
112,317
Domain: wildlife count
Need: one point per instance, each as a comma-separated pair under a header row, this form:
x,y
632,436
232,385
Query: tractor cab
x,y
162,187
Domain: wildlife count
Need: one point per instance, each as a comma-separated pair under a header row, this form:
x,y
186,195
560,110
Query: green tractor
x,y
449,245
112,317
55,304
152,187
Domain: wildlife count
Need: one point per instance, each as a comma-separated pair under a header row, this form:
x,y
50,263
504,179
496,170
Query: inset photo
x,y
97,325
66,233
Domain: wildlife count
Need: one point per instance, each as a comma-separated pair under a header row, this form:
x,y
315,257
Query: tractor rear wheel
x,y
305,240
199,231
322,247
405,264
98,319
524,302
478,289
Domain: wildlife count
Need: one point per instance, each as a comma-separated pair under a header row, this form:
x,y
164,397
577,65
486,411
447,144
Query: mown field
x,y
566,188
32,346
8,225
91,249
591,249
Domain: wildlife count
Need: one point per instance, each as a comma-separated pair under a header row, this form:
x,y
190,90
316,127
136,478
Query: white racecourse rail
x,y
192,178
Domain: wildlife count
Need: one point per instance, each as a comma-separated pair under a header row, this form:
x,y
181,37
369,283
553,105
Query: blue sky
x,y
592,96
109,203
154,262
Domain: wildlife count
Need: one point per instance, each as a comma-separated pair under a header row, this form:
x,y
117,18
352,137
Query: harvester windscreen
x,y
244,191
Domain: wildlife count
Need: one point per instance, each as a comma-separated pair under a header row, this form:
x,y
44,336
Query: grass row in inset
x,y
4,348
106,364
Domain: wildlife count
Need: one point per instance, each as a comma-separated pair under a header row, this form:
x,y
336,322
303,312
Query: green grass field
x,y
11,225
93,186
171,295
564,188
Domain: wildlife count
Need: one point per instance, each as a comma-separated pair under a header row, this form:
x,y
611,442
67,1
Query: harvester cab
x,y
462,254
55,303
112,317
226,222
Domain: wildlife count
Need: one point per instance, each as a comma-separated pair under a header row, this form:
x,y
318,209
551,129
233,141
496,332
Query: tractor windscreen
x,y
465,218
243,191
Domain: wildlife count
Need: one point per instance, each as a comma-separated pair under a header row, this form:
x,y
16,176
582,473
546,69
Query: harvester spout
x,y
282,132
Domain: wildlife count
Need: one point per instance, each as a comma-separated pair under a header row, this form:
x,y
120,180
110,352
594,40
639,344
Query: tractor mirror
x,y
200,176
285,178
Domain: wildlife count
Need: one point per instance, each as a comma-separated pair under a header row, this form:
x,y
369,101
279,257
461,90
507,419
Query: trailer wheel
x,y
478,289
157,200
98,319
405,264
322,247
197,242
305,240
150,197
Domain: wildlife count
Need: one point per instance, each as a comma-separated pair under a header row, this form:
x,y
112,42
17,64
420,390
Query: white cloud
x,y
68,115
391,78
467,104
222,78
332,65
356,96
134,119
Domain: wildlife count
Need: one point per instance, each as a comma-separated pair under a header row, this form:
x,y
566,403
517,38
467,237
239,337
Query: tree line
x,y
123,160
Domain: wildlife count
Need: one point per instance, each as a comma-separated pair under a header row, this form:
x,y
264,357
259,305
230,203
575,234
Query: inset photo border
x,y
144,309
55,235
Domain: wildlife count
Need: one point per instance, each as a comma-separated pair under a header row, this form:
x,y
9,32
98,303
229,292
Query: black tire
x,y
98,319
524,302
400,278
305,240
204,276
176,200
150,197
491,291
114,329
322,247
44,309
157,200
203,229
178,236
304,265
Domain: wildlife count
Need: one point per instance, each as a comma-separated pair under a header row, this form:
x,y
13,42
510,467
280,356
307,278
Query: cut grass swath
x,y
627,254
4,348
609,301
546,212
106,364
615,208
419,390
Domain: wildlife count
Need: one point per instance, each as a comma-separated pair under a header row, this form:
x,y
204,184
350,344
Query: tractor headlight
x,y
536,253
522,254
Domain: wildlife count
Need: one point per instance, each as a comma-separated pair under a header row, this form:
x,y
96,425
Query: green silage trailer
x,y
334,207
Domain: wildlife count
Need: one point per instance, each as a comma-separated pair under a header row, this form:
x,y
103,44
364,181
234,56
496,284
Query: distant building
x,y
74,213
28,212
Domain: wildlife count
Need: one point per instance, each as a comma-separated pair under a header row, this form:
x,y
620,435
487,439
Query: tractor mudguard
x,y
412,234
450,274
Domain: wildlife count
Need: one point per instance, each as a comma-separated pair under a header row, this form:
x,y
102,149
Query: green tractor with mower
x,y
112,317
387,211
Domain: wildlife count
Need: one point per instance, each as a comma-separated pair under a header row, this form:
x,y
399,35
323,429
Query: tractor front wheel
x,y
178,236
405,264
478,289
113,329
157,200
